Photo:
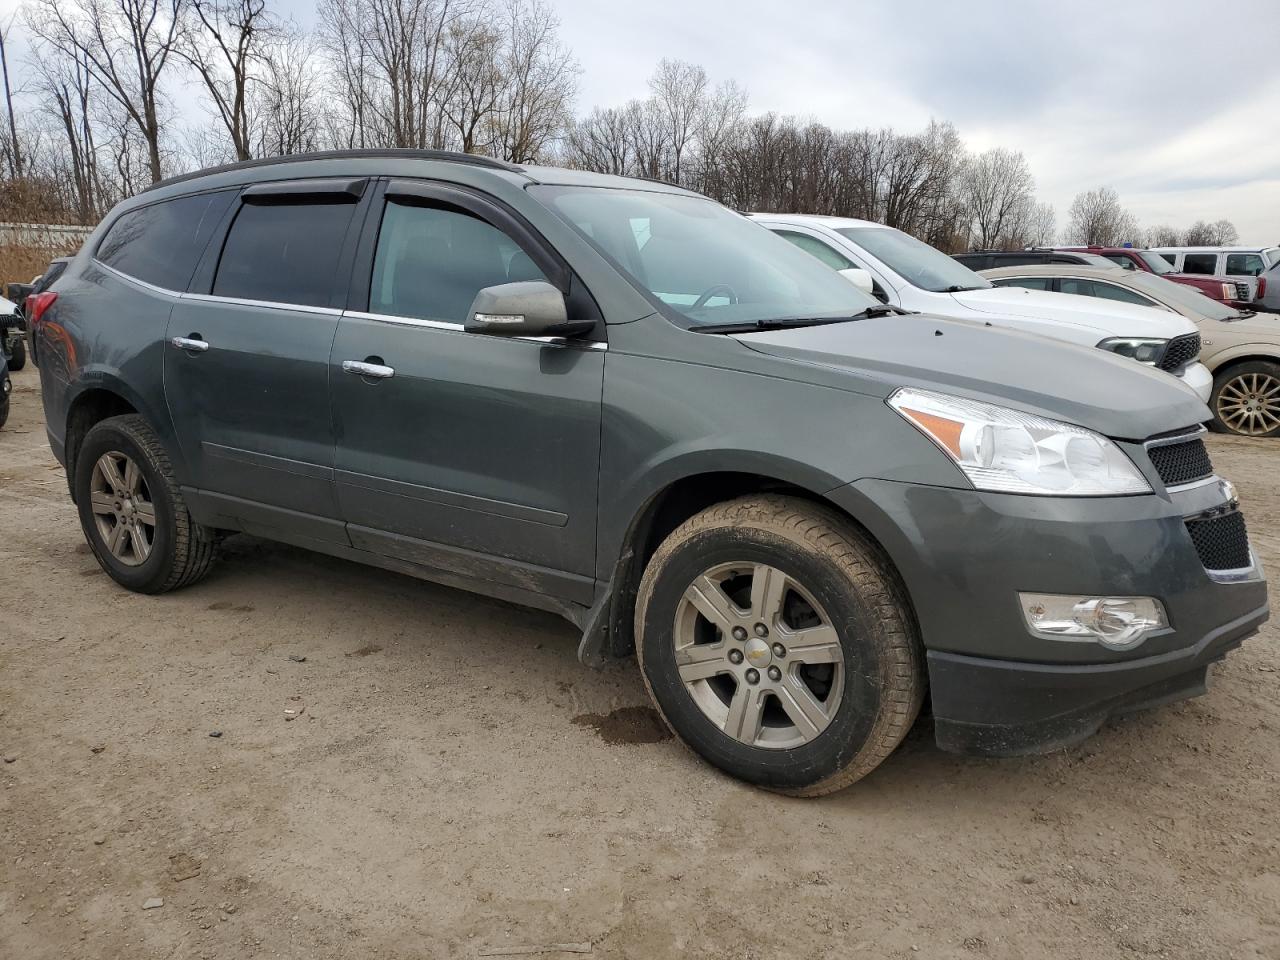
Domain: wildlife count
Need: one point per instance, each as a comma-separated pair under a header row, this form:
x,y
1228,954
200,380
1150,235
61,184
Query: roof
x,y
1110,274
536,174
833,222
1214,249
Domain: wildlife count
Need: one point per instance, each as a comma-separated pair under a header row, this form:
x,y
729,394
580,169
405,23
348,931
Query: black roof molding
x,y
449,156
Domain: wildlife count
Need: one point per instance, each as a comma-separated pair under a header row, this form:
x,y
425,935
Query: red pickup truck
x,y
1224,289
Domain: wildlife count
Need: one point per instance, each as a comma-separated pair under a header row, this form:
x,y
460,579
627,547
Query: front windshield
x,y
916,262
1157,263
1183,297
702,261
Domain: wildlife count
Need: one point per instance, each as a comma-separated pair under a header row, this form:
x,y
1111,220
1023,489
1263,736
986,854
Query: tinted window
x,y
1110,291
1244,264
431,262
1081,288
974,261
1157,263
834,260
1030,283
1206,263
1022,259
161,243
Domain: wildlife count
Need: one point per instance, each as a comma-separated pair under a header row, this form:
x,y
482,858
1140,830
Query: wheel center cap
x,y
758,653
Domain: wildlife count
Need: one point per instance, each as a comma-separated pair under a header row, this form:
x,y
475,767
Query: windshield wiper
x,y
956,288
784,323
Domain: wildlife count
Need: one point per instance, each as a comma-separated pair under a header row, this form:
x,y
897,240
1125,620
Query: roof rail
x,y
386,153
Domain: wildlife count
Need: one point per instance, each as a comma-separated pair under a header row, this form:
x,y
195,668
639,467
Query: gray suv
x,y
804,511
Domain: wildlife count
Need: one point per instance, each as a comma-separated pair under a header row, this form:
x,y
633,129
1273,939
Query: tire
x,y
823,572
173,550
1246,399
4,410
18,354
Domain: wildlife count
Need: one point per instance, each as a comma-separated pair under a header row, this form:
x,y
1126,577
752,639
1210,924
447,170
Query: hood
x,y
1082,385
1262,327
1109,318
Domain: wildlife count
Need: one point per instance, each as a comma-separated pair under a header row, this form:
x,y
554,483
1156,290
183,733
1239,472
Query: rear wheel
x,y
777,643
1246,399
17,354
132,512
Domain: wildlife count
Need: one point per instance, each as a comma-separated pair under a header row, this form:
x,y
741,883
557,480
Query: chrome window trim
x,y
263,304
1239,575
459,328
132,279
214,298
1194,484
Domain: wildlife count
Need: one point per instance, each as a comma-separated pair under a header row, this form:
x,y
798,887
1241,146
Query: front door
x,y
246,365
466,452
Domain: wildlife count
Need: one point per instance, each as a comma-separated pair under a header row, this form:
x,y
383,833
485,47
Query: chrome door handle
x,y
187,343
362,369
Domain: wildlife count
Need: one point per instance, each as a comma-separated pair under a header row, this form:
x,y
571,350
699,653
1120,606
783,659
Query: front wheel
x,y
1246,399
777,642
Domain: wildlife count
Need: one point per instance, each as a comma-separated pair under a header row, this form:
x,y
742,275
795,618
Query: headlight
x,y
1136,348
1007,451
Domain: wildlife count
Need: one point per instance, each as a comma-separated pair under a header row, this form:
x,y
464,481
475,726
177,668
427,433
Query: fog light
x,y
1118,623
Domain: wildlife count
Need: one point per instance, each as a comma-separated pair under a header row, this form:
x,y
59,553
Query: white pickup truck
x,y
907,273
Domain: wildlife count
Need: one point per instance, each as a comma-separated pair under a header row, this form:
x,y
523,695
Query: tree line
x,y
92,117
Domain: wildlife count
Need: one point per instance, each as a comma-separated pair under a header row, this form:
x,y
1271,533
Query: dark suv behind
x,y
620,401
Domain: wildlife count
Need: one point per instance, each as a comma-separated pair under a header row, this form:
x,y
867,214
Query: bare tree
x,y
475,83
125,46
287,95
68,88
14,153
1164,235
539,83
680,93
996,188
226,47
1096,217
1224,233
1199,234
601,141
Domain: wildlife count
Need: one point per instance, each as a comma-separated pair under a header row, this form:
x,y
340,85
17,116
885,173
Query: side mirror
x,y
528,308
859,278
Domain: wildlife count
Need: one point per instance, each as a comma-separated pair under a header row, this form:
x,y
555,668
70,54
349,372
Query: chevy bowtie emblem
x,y
1228,491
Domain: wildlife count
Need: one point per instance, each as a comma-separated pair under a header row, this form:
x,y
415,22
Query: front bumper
x,y
1001,708
1197,376
964,556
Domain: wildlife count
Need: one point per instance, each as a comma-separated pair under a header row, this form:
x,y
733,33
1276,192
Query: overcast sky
x,y
1174,106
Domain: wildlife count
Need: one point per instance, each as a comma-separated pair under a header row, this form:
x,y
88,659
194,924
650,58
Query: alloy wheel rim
x,y
123,510
759,655
1250,403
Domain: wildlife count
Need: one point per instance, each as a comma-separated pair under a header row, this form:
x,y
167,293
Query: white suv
x,y
904,272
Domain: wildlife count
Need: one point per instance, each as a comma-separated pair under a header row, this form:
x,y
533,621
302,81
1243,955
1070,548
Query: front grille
x,y
1221,542
1180,351
1184,461
1242,290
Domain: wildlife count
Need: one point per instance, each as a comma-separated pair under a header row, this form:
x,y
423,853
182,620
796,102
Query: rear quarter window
x,y
162,242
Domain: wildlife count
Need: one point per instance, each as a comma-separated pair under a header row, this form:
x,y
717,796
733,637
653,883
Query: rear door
x,y
247,359
465,452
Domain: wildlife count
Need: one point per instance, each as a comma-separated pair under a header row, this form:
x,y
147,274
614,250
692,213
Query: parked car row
x,y
910,274
1240,348
739,454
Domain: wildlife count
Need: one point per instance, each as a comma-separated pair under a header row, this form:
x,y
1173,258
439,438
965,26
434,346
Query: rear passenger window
x,y
161,243
1081,288
1244,265
1206,263
283,252
431,262
1109,291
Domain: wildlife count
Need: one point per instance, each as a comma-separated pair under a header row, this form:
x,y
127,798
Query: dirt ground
x,y
451,783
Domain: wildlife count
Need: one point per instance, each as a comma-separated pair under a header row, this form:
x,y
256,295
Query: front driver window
x,y
432,261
